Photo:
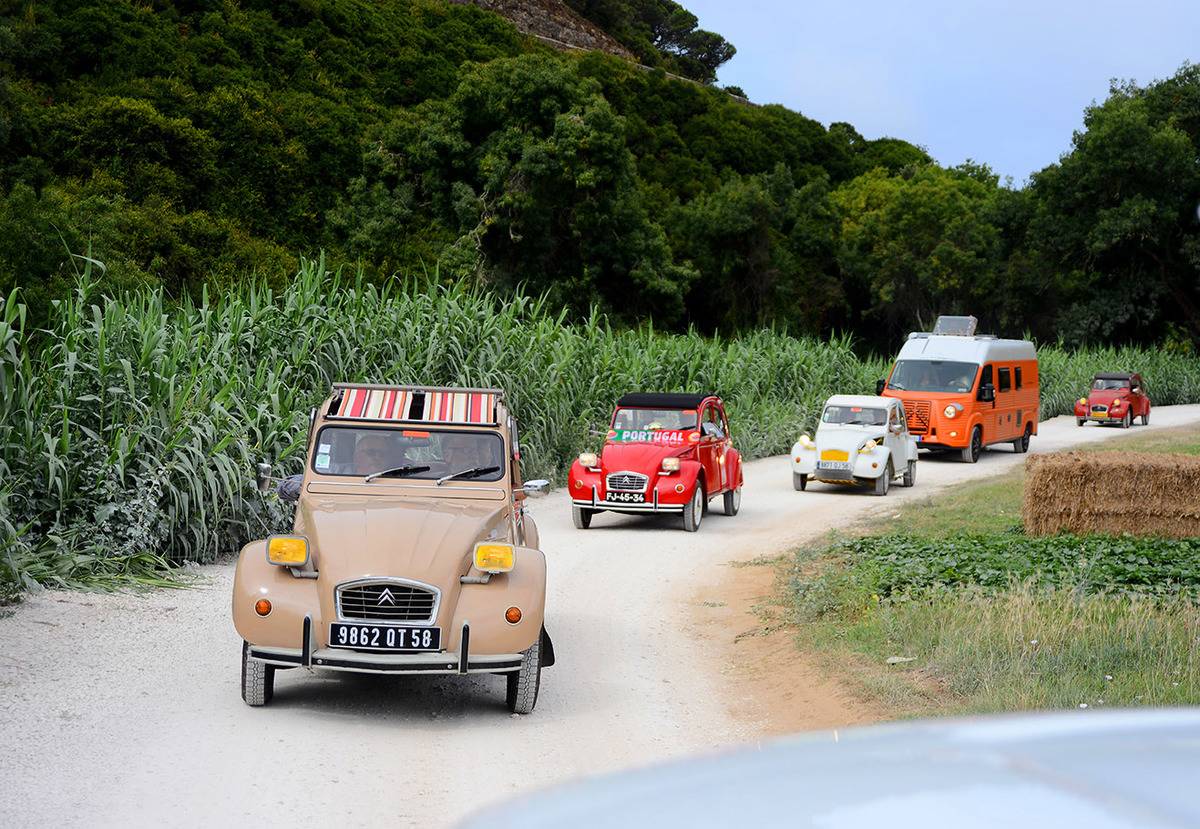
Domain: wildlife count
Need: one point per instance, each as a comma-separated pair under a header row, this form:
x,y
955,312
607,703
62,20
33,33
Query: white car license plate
x,y
839,465
384,638
625,498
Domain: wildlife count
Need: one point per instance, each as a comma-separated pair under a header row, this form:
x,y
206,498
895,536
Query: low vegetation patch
x,y
976,616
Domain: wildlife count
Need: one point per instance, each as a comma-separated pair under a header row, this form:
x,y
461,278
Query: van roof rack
x,y
955,326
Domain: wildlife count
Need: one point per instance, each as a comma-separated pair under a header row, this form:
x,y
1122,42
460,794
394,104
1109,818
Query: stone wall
x,y
555,21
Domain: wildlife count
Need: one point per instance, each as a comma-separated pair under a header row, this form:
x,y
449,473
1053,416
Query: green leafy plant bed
x,y
897,567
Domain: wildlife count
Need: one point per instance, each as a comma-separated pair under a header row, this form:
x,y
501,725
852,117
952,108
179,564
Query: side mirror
x,y
538,487
897,429
880,385
1136,390
987,393
262,477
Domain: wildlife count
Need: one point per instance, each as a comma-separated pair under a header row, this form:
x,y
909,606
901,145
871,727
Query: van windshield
x,y
933,375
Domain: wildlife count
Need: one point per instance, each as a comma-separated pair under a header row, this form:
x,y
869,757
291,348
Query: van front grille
x,y
386,601
917,414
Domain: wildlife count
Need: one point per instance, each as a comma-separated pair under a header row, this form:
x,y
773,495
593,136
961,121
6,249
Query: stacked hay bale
x,y
1138,493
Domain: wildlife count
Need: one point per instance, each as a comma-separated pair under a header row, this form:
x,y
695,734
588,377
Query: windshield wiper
x,y
896,386
473,472
399,471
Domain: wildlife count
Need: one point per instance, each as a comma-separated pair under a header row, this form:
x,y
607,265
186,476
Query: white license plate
x,y
839,465
625,498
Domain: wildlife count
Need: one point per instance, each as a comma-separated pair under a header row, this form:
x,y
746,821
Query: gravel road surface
x,y
125,709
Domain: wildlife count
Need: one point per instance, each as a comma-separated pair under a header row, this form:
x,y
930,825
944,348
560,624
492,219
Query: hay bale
x,y
1140,493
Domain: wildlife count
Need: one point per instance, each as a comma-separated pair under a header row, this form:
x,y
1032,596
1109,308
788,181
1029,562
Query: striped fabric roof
x,y
414,405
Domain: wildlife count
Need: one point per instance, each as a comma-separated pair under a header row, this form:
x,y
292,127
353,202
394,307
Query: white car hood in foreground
x,y
1100,770
847,438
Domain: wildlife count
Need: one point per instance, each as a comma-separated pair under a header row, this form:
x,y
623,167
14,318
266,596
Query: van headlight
x,y
494,558
588,460
670,465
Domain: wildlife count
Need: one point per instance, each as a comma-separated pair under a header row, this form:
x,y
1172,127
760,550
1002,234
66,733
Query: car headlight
x,y
869,446
494,558
806,442
1083,401
588,459
670,465
287,550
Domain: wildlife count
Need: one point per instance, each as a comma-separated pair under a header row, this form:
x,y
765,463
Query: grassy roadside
x,y
962,613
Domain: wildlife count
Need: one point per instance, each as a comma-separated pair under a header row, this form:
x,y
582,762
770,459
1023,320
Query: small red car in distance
x,y
1114,398
664,453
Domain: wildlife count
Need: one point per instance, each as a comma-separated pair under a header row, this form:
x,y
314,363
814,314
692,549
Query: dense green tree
x,y
661,33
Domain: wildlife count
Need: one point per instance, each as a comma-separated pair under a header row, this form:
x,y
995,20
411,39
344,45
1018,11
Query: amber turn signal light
x,y
513,615
263,607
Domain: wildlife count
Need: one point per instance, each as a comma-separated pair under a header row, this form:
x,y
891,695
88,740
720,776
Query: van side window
x,y
1005,379
1020,385
987,376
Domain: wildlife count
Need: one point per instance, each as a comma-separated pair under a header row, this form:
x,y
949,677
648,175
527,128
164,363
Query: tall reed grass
x,y
129,427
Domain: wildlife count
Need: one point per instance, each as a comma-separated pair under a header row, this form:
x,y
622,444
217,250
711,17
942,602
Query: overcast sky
x,y
1004,83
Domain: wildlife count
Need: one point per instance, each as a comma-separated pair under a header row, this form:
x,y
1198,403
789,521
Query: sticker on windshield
x,y
322,462
662,437
324,448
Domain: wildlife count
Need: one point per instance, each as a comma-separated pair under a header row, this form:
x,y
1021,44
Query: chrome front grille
x,y
627,482
386,601
1099,409
917,413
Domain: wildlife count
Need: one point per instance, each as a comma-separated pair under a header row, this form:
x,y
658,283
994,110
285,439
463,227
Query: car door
x,y
709,450
895,438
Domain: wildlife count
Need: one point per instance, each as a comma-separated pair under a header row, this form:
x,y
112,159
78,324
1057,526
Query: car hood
x,y
421,539
637,457
1106,398
848,438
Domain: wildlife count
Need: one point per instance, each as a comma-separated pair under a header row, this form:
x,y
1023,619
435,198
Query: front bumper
x,y
363,662
654,505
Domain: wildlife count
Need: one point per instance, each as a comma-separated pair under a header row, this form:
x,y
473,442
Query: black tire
x,y
1079,421
258,679
582,517
1146,418
733,501
884,482
910,474
693,511
521,692
1127,420
975,448
799,481
1021,444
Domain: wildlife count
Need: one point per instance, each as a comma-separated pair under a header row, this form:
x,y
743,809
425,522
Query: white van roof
x,y
978,349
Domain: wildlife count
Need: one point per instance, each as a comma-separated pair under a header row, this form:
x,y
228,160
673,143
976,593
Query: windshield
x,y
669,426
1109,385
415,454
854,416
933,375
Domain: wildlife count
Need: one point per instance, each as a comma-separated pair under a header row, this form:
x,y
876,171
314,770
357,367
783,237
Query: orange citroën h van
x,y
964,391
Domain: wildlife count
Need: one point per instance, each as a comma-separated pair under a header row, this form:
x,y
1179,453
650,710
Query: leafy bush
x,y
874,569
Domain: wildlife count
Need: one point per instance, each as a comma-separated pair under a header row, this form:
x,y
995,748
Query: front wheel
x,y
258,679
1079,421
974,449
910,474
582,517
884,482
693,511
1146,418
1021,444
733,501
799,481
1127,420
522,691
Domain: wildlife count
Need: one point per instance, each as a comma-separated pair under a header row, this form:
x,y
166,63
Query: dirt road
x,y
125,709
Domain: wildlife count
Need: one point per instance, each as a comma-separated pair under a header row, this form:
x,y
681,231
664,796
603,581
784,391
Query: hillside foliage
x,y
192,143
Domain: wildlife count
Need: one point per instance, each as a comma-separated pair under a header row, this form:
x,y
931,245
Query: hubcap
x,y
698,506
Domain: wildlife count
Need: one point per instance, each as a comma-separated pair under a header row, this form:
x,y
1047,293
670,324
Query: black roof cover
x,y
663,401
1116,375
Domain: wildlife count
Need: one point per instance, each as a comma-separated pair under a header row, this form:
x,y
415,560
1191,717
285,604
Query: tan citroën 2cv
x,y
411,551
